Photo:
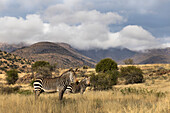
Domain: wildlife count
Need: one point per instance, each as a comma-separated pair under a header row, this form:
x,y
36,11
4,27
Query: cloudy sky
x,y
87,24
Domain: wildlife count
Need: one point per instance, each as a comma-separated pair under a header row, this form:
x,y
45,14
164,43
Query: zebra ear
x,y
71,69
76,70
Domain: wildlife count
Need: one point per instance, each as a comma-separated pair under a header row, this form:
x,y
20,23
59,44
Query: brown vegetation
x,y
90,102
9,61
152,96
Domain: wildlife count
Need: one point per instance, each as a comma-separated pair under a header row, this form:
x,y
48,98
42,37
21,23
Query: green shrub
x,y
43,72
43,68
16,89
38,64
129,61
31,83
25,92
104,81
9,90
22,62
132,74
142,91
2,69
85,67
105,65
12,76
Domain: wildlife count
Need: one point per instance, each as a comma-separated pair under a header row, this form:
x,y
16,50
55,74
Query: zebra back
x,y
55,84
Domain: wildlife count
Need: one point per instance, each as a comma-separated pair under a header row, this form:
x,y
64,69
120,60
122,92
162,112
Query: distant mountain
x,y
11,47
153,56
66,56
117,54
62,54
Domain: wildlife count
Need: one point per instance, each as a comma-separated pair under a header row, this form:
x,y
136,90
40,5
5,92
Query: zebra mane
x,y
83,80
67,72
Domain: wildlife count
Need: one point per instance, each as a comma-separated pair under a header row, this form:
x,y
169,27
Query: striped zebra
x,y
54,84
79,87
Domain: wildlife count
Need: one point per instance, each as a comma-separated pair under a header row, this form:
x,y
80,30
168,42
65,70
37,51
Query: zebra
x,y
79,86
55,84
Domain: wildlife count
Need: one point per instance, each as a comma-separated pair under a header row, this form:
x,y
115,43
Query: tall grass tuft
x,y
90,102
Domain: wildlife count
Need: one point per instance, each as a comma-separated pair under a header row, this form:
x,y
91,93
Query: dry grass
x,y
113,101
90,102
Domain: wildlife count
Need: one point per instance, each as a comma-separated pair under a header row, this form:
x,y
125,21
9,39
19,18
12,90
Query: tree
x,y
128,61
38,64
104,81
105,65
43,68
107,74
132,74
12,76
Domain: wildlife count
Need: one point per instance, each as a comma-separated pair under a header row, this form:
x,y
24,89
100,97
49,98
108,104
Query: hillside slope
x,y
9,61
62,54
153,56
116,54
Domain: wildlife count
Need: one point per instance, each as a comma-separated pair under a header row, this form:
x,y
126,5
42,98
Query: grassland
x,y
90,102
152,96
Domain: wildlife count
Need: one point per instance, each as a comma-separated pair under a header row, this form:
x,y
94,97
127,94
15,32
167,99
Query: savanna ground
x,y
152,96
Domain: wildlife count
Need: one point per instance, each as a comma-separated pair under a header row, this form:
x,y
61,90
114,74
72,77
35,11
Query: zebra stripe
x,y
79,86
60,84
37,85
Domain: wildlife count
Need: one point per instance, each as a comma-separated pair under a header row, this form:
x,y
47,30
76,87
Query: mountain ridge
x,y
67,54
65,57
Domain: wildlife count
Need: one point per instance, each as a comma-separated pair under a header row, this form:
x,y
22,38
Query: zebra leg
x,y
37,93
61,93
82,90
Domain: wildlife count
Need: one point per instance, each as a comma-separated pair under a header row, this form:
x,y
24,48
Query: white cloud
x,y
78,23
65,13
83,36
135,38
86,17
14,30
165,41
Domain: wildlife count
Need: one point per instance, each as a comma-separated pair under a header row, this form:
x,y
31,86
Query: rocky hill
x,y
11,47
62,54
9,61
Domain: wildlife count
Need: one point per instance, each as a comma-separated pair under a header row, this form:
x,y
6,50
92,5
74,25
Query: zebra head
x,y
86,81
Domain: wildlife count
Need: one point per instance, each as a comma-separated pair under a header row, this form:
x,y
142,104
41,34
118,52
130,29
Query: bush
x,y
25,92
43,72
85,67
129,61
38,64
9,90
12,76
105,65
104,81
43,68
16,89
132,74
